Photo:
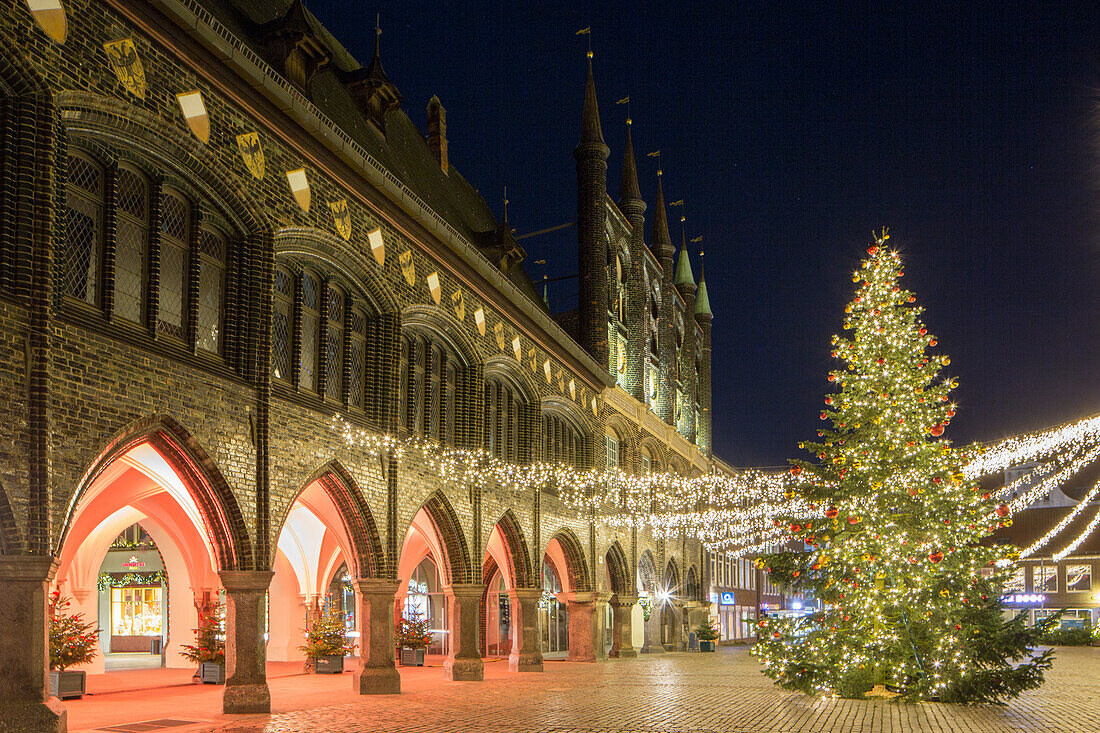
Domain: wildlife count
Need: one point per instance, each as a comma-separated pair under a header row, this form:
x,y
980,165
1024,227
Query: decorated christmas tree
x,y
911,596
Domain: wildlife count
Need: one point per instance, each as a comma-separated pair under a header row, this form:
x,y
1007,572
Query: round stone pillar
x,y
526,655
25,702
246,689
622,633
464,662
376,674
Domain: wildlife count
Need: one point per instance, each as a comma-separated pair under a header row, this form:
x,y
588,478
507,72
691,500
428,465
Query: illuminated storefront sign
x,y
1025,598
728,599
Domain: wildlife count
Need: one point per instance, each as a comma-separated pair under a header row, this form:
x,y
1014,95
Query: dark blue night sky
x,y
792,130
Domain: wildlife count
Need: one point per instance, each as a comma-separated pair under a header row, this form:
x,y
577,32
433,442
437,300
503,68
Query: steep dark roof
x,y
629,191
591,133
402,150
662,242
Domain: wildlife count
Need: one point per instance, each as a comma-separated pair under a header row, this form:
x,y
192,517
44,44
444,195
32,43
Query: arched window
x,y
310,316
83,258
611,449
425,599
431,375
561,441
282,324
358,356
174,243
132,246
212,251
504,410
553,614
645,462
334,345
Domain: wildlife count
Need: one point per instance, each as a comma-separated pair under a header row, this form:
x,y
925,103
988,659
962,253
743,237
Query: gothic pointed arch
x,y
336,257
459,567
101,120
580,579
646,574
368,559
672,576
11,543
618,569
222,519
692,589
519,556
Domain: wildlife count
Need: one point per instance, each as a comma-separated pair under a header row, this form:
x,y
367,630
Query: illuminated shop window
x,y
136,611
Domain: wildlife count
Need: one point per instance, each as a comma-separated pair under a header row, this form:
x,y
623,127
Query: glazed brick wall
x,y
104,377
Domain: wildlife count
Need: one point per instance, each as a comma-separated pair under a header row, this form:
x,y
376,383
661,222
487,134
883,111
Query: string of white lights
x,y
1085,533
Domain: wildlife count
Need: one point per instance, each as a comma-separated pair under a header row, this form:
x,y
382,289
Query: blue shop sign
x,y
728,599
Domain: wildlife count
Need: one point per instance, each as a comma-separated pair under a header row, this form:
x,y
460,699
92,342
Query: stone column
x,y
464,606
526,655
622,634
652,643
25,704
246,689
376,674
585,637
674,627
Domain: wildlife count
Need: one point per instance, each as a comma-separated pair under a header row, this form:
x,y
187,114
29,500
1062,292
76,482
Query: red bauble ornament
x,y
912,299
951,413
987,496
795,527
937,480
852,519
795,470
832,512
824,415
932,342
763,624
831,378
872,249
828,400
923,332
936,430
880,360
1002,510
775,634
957,627
935,557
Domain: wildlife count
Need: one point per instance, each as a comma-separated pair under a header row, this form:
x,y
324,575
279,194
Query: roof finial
x,y
699,240
587,32
683,223
505,204
626,101
377,32
656,154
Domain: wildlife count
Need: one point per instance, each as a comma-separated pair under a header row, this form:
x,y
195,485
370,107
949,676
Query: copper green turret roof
x,y
702,301
685,278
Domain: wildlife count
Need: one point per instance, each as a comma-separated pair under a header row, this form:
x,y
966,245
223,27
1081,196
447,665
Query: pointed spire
x,y
685,278
630,191
702,300
661,239
590,121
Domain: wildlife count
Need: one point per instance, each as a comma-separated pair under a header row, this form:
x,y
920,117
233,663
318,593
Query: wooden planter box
x,y
706,646
67,685
328,665
212,673
412,657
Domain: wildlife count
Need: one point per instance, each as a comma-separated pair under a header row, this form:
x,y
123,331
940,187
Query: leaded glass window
x,y
132,246
173,265
358,354
282,320
311,327
84,230
211,290
334,345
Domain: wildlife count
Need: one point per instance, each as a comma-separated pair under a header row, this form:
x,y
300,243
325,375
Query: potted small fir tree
x,y
413,637
208,651
326,644
707,633
73,641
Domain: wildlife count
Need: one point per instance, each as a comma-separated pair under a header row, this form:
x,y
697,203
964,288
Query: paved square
x,y
689,693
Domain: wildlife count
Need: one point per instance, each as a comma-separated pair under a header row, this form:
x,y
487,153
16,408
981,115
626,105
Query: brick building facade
x,y
236,281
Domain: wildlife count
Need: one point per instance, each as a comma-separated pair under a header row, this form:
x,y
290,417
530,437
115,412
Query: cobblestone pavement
x,y
689,693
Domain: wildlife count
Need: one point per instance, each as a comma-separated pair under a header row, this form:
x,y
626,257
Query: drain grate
x,y
148,725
